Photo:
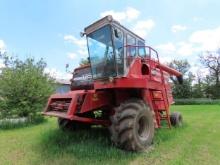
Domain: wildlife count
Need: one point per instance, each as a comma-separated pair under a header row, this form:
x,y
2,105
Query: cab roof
x,y
108,20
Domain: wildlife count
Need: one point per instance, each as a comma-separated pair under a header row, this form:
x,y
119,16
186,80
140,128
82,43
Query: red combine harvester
x,y
124,88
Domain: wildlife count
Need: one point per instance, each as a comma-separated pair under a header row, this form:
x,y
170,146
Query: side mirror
x,y
118,33
88,60
67,67
82,34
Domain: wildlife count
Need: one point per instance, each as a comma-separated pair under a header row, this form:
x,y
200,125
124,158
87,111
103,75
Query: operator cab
x,y
112,48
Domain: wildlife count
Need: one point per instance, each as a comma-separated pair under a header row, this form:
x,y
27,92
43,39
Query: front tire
x,y
132,126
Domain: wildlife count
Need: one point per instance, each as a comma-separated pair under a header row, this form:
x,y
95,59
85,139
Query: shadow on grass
x,y
85,147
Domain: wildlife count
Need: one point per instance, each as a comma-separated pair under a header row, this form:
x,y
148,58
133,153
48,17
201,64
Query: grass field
x,y
197,142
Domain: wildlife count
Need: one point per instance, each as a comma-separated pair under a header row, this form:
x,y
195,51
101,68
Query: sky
x,y
50,29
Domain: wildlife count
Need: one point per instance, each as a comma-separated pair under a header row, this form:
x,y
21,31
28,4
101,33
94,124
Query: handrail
x,y
150,52
150,49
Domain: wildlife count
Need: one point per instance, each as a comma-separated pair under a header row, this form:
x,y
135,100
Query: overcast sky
x,y
50,29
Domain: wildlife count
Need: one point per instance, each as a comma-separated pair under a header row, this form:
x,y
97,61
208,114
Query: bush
x,y
196,101
24,88
20,122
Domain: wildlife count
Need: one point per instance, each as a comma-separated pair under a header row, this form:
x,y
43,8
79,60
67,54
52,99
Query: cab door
x,y
118,40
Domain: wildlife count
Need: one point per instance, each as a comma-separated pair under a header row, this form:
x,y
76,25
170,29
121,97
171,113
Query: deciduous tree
x,y
24,88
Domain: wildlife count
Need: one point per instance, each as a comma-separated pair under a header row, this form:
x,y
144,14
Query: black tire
x,y
69,125
132,126
176,119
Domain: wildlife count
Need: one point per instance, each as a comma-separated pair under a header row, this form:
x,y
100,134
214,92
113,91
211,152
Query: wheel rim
x,y
143,128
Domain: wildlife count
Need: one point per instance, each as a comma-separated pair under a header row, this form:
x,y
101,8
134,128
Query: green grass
x,y
197,142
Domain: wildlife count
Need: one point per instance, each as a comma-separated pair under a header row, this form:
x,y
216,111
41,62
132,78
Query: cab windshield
x,y
101,53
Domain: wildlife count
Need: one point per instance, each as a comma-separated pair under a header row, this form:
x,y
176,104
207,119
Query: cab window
x,y
131,45
141,49
119,50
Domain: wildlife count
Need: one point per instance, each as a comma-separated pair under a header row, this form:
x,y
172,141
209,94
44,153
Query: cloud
x,y
185,49
2,50
2,65
208,39
177,49
166,48
197,42
80,44
2,46
177,28
166,51
128,14
72,55
132,13
197,19
199,70
83,52
143,27
165,60
53,72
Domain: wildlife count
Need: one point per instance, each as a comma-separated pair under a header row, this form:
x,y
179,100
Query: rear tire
x,y
132,126
69,125
176,119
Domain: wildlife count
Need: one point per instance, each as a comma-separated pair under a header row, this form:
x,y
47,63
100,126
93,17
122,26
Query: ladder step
x,y
160,106
164,118
162,110
157,99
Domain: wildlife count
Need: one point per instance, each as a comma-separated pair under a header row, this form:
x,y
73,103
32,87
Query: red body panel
x,y
146,79
81,101
96,100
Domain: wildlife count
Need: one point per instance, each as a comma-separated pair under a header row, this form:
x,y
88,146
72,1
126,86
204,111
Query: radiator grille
x,y
60,105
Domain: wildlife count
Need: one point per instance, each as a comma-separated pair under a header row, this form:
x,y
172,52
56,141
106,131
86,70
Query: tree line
x,y
200,84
